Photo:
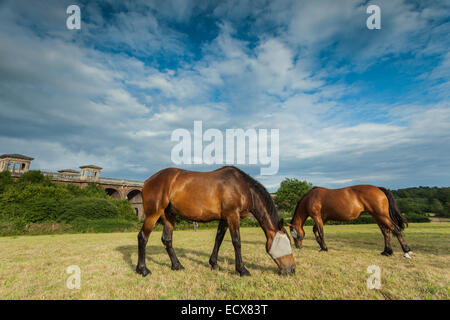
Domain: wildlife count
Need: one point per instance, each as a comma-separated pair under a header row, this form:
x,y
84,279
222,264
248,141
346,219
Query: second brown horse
x,y
226,194
345,204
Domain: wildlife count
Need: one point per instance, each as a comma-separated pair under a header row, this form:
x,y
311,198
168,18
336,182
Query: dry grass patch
x,y
33,267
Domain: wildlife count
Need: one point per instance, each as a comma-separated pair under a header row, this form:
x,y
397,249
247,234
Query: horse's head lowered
x,y
296,228
296,235
279,248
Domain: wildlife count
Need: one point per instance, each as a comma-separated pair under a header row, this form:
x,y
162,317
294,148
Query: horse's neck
x,y
262,215
300,216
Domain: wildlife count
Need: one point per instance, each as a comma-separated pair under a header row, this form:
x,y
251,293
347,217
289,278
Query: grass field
x,y
33,267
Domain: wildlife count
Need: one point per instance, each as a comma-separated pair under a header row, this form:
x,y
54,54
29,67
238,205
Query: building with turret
x,y
15,163
131,190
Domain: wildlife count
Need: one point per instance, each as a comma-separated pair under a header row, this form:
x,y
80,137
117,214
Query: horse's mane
x,y
300,201
265,195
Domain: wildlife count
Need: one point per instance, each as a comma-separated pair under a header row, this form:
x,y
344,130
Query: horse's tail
x,y
396,216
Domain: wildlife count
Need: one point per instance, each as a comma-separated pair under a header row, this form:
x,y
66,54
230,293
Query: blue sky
x,y
353,105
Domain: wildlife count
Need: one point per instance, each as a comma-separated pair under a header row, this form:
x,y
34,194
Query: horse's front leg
x,y
221,230
316,234
147,227
319,234
236,239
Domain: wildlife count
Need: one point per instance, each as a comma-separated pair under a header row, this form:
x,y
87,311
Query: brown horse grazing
x,y
347,204
226,194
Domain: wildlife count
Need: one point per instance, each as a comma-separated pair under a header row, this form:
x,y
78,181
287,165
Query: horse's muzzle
x,y
288,270
298,245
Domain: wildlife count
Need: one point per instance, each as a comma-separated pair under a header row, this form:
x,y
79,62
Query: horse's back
x,y
372,197
345,204
162,178
206,195
199,196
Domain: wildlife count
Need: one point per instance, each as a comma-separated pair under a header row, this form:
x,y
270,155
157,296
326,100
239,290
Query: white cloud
x,y
68,102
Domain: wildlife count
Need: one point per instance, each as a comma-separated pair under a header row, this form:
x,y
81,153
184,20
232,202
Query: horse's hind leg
x,y
386,226
147,227
387,240
166,239
402,241
221,230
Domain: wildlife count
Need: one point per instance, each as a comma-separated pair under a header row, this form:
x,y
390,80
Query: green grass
x,y
33,267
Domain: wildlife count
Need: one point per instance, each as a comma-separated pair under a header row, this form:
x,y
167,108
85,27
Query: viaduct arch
x,y
125,189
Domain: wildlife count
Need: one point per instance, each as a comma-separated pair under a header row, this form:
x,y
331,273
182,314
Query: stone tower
x,y
15,163
90,172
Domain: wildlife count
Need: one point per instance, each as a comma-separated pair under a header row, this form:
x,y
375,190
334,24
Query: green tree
x,y
436,206
34,177
92,191
33,202
446,211
290,192
443,194
95,190
5,180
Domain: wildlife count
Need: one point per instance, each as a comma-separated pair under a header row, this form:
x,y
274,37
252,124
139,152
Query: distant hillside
x,y
424,200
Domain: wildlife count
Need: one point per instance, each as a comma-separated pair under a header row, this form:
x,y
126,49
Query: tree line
x,y
35,204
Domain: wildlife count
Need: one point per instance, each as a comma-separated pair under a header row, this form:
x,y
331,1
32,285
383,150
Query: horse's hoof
x,y
177,267
245,273
386,253
143,271
298,246
321,249
406,255
215,267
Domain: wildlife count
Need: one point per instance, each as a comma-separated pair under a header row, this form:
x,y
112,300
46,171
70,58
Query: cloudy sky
x,y
352,105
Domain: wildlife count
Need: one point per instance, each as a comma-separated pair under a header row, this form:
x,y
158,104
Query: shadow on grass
x,y
375,243
363,243
182,254
261,243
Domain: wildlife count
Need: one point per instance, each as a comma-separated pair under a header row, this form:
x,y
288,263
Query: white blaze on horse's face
x,y
281,246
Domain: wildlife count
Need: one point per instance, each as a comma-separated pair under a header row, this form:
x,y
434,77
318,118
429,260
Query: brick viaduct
x,y
115,188
131,190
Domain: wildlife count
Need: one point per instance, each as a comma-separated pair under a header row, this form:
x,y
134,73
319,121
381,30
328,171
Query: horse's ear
x,y
281,224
